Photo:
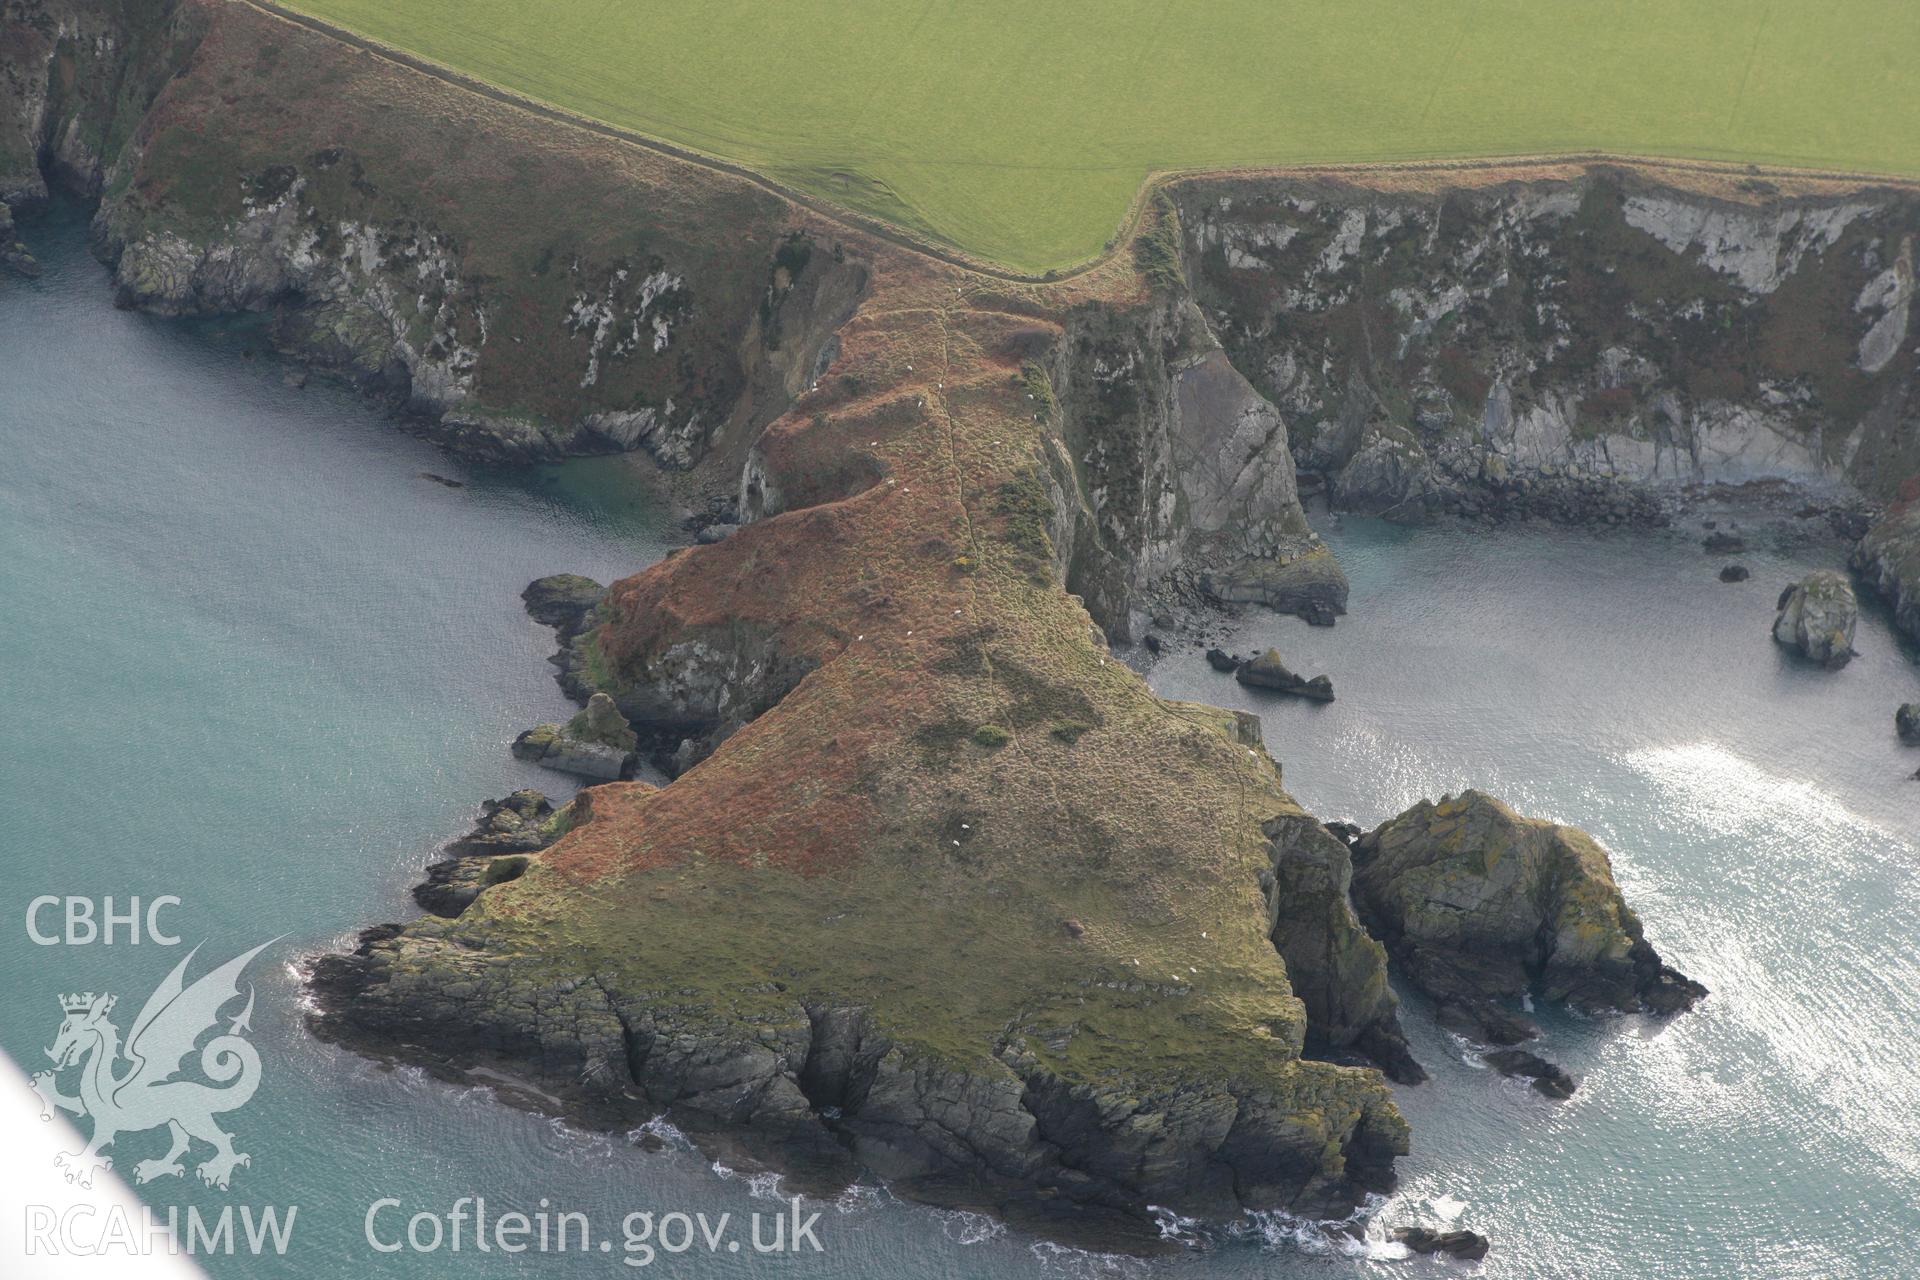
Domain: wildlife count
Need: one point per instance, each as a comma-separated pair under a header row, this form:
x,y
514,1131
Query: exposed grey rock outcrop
x,y
494,852
1817,618
1482,906
521,823
1565,348
1888,562
1162,459
1906,723
597,743
1334,965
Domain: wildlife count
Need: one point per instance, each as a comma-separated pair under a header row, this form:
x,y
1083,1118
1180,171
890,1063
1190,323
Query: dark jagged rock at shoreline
x,y
1817,616
1332,961
563,601
492,853
1549,1078
14,256
1468,1246
568,603
1888,561
521,823
1482,906
1906,723
1270,672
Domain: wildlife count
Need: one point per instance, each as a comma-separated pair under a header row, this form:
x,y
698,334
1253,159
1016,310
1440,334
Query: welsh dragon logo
x,y
130,1089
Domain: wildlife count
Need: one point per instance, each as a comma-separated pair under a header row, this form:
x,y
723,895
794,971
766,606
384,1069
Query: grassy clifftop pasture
x,y
1020,131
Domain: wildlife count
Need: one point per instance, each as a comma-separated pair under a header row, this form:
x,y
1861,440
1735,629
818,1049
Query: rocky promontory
x,y
1816,619
939,889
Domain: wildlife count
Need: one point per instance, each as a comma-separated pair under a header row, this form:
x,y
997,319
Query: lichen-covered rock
x,y
453,884
562,601
1481,904
1301,577
521,823
1270,672
1817,618
1888,562
597,743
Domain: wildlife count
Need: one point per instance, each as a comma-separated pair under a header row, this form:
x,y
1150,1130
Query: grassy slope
x,y
1019,131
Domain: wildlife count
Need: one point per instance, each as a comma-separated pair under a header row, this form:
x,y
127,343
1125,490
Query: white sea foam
x,y
963,1226
1060,1259
664,1130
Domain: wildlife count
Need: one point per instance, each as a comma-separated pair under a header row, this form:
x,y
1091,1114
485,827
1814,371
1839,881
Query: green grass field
x,y
1019,131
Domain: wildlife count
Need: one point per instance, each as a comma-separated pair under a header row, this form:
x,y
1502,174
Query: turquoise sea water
x,y
251,658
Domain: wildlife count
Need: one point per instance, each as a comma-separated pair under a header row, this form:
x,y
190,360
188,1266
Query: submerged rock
x,y
596,743
1722,543
1482,905
1906,722
1817,617
1735,573
1268,671
1548,1078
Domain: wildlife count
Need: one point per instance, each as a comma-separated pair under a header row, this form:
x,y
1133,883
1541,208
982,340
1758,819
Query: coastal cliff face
x,y
76,79
1556,345
412,240
1163,459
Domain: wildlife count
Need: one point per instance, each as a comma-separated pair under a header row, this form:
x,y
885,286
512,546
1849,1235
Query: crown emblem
x,y
78,1002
